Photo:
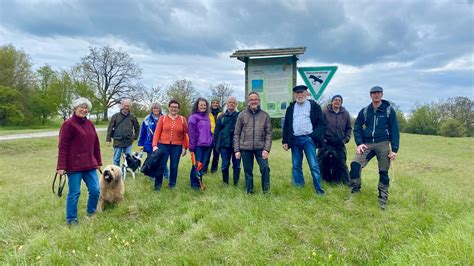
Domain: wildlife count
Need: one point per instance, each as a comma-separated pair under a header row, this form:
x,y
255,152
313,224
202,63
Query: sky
x,y
419,51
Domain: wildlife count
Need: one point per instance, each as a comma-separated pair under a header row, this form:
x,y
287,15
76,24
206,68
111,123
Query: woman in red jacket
x,y
79,157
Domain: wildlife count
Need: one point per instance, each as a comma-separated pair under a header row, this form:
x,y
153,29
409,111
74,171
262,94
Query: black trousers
x,y
215,161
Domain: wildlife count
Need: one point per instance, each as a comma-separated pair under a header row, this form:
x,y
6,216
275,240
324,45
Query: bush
x,y
452,128
424,121
277,133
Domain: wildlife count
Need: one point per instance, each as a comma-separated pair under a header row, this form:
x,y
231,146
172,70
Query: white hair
x,y
232,98
126,100
81,101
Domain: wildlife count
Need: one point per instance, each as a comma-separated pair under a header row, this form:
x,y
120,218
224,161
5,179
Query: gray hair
x,y
232,98
156,105
126,100
81,101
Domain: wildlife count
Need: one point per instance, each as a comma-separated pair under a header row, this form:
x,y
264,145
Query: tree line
x,y
106,75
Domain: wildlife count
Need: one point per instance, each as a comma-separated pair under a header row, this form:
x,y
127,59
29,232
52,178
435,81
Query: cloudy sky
x,y
418,51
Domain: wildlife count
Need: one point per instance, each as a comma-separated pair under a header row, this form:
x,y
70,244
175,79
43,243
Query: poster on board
x,y
272,79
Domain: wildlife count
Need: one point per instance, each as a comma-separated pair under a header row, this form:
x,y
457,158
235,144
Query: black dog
x,y
328,159
131,163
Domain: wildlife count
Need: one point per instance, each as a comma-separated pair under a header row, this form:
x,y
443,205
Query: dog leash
x,y
61,184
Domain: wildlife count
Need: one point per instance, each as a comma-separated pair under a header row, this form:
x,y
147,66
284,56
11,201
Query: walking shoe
x,y
382,205
355,190
72,223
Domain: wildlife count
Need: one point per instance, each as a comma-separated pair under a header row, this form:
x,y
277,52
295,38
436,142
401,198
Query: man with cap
x,y
376,133
303,131
332,157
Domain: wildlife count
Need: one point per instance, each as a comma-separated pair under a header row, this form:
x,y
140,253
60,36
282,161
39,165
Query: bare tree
x,y
221,92
182,91
152,95
114,75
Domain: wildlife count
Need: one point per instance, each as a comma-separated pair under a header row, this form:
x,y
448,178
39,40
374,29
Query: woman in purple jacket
x,y
79,157
200,136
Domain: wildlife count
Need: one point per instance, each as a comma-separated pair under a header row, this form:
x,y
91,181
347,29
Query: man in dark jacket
x,y
303,131
223,140
124,129
333,156
376,133
253,138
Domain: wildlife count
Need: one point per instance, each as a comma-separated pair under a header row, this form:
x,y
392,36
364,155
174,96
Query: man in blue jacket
x,y
376,133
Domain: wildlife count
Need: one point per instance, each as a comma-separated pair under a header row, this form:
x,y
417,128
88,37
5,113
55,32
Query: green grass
x,y
429,220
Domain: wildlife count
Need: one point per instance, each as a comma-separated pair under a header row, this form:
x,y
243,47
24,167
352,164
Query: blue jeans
x,y
202,155
227,154
74,191
118,152
173,152
166,172
306,144
247,159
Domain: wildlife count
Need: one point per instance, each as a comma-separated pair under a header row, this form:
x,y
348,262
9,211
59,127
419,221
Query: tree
x,y
45,100
64,92
402,121
182,91
9,111
17,79
15,69
221,92
114,75
424,120
452,128
152,95
458,108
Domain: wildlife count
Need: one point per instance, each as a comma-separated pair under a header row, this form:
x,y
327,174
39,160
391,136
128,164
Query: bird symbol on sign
x,y
315,79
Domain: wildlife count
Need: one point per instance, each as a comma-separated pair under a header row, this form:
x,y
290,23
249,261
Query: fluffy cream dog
x,y
111,186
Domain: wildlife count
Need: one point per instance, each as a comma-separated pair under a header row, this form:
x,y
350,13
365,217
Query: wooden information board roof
x,y
242,54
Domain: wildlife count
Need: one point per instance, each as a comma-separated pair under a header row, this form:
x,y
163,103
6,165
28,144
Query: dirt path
x,y
37,135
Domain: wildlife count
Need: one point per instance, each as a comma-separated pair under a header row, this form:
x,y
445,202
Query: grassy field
x,y
429,219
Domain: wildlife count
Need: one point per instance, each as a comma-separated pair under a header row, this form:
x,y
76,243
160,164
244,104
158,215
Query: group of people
x,y
234,136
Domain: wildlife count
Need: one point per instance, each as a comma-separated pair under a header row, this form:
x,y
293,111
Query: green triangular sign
x,y
317,78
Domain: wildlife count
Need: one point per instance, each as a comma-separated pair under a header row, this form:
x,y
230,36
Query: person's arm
x,y
157,134
268,133
97,155
65,136
361,147
394,130
192,132
358,128
286,130
143,135
319,126
136,128
185,137
109,129
348,132
217,131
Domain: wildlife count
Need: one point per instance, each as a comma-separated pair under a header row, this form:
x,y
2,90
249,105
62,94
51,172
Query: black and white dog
x,y
131,163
